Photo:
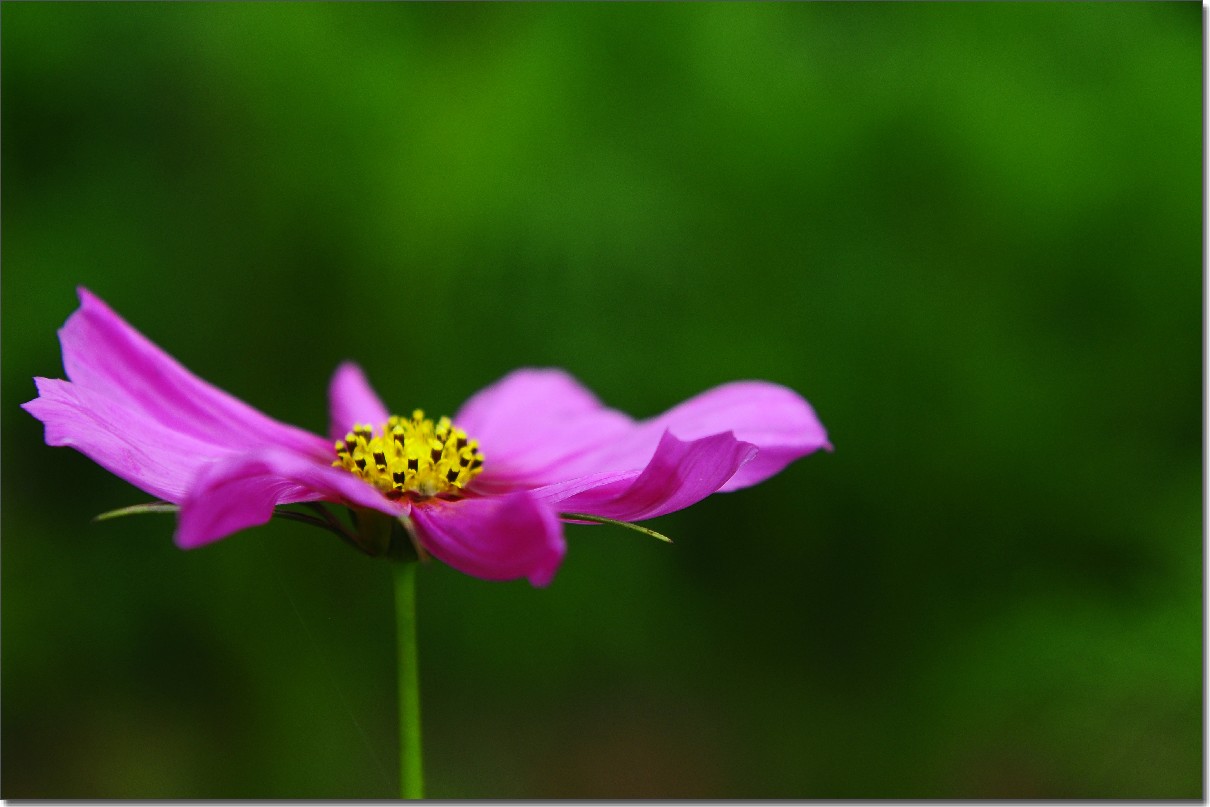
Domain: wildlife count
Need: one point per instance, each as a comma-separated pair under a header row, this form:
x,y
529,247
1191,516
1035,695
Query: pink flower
x,y
484,493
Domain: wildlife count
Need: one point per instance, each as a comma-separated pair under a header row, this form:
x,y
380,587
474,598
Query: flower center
x,y
411,456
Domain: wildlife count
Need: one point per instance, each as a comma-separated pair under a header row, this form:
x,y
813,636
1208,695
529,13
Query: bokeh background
x,y
968,234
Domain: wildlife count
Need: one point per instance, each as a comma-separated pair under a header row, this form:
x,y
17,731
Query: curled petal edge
x,y
681,473
240,492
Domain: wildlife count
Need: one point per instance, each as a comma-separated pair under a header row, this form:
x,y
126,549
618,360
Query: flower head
x,y
482,491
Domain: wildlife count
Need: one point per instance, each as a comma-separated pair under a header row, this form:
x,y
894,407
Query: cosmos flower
x,y
486,492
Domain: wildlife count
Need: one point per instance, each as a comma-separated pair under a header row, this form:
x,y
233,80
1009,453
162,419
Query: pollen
x,y
411,455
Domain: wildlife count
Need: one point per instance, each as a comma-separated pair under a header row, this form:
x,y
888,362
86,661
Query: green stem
x,y
410,771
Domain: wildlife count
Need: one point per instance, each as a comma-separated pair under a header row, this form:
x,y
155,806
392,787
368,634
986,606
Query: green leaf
x,y
137,510
626,524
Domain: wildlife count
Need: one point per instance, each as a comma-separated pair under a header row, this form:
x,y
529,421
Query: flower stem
x,y
411,775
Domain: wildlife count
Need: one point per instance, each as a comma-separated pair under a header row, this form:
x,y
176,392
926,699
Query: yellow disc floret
x,y
411,456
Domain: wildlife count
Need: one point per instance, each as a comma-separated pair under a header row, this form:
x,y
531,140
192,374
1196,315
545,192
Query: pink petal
x,y
103,353
352,400
680,473
528,421
540,427
124,441
495,538
777,420
241,492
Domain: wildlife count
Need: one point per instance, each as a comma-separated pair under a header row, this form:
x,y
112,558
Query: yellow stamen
x,y
411,455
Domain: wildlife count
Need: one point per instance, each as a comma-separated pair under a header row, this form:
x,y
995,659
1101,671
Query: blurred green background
x,y
970,235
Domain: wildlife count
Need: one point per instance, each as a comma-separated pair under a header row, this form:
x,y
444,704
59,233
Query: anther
x,y
412,456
